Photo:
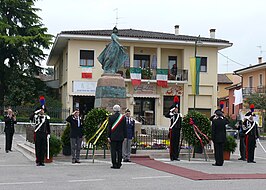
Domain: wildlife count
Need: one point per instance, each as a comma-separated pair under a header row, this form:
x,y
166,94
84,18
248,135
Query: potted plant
x,y
65,138
146,73
229,147
54,148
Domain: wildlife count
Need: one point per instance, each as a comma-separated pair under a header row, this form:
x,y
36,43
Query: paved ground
x,y
20,172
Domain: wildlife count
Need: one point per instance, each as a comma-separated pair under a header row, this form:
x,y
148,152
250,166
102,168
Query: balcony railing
x,y
251,90
150,74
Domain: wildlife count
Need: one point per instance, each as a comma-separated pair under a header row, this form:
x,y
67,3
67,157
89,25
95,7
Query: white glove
x,y
48,136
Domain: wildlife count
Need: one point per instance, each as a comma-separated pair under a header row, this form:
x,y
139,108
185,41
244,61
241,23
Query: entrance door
x,y
144,110
84,103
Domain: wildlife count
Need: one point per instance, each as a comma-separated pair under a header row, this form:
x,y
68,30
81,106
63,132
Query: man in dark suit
x,y
10,121
75,135
219,123
117,132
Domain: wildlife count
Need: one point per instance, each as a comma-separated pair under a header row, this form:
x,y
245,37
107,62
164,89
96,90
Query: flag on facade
x,y
195,74
162,77
86,72
135,75
238,97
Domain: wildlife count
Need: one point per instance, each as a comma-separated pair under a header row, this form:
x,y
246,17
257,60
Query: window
x,y
260,80
250,81
203,64
172,66
86,58
142,61
167,103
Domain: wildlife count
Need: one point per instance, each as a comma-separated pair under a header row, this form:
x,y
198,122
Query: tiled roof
x,y
142,34
223,79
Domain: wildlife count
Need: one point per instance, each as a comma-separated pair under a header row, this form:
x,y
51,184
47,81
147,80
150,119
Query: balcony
x,y
251,90
150,74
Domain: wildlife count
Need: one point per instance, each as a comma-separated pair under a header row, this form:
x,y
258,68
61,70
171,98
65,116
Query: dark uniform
x,y
75,136
9,130
174,132
251,136
42,129
218,137
242,144
116,134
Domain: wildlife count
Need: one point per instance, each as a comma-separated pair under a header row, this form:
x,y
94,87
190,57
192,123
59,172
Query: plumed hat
x,y
252,107
221,105
250,114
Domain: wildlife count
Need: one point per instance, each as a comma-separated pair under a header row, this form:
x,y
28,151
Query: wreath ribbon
x,y
197,131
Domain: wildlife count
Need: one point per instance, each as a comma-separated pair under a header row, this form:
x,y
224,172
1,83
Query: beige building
x,y
76,52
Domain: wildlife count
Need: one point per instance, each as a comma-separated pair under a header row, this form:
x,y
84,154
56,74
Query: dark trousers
x,y
251,144
116,153
174,143
9,139
219,153
40,146
242,147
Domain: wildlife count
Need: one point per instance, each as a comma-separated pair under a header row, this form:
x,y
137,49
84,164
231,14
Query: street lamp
x,y
198,42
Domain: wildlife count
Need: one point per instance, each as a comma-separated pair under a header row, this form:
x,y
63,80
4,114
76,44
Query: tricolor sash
x,y
117,122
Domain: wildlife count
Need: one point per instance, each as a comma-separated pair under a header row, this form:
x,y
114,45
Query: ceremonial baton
x,y
48,147
258,140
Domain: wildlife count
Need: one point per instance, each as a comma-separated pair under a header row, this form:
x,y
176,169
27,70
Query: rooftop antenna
x,y
116,17
261,51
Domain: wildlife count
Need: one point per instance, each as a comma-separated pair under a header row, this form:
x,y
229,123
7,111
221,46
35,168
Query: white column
x,y
131,56
159,52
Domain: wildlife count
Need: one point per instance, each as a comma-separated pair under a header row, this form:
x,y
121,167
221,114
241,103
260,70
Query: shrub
x,y
55,146
65,138
230,144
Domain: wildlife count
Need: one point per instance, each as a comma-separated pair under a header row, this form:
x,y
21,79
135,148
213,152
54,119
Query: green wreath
x,y
202,122
92,122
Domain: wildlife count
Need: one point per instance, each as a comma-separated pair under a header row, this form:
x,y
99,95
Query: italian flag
x,y
135,75
86,73
162,77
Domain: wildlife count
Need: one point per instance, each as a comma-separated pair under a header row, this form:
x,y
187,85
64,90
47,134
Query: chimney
x,y
176,29
259,60
212,33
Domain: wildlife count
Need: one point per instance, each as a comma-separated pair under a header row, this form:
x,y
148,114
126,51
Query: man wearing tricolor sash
x,y
252,134
174,130
117,132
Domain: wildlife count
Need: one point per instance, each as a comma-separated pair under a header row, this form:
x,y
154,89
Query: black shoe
x,y
240,158
6,151
11,150
128,160
244,159
38,164
251,162
42,164
216,165
77,161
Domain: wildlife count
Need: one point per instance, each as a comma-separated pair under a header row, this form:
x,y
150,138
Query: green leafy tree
x,y
202,122
22,41
259,100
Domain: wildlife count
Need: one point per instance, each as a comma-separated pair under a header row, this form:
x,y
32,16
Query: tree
x,y
259,100
22,41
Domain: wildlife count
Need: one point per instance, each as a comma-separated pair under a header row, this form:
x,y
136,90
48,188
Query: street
x,y
19,172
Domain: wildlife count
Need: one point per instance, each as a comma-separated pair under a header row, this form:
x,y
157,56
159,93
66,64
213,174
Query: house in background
x,y
74,57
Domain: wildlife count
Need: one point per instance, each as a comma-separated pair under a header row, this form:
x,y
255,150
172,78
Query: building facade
x,y
74,57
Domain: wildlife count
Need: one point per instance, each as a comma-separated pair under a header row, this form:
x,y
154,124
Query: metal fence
x,y
24,112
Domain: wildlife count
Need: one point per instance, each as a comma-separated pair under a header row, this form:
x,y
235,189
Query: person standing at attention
x,y
75,135
117,132
130,124
219,123
10,121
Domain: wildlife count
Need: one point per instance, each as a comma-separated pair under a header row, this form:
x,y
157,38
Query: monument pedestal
x,y
110,91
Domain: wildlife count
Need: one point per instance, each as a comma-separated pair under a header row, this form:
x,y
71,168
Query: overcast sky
x,y
242,22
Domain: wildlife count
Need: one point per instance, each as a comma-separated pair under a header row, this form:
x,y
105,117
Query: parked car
x,y
231,132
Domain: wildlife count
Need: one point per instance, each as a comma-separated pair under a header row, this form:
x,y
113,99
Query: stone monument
x,y
111,88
